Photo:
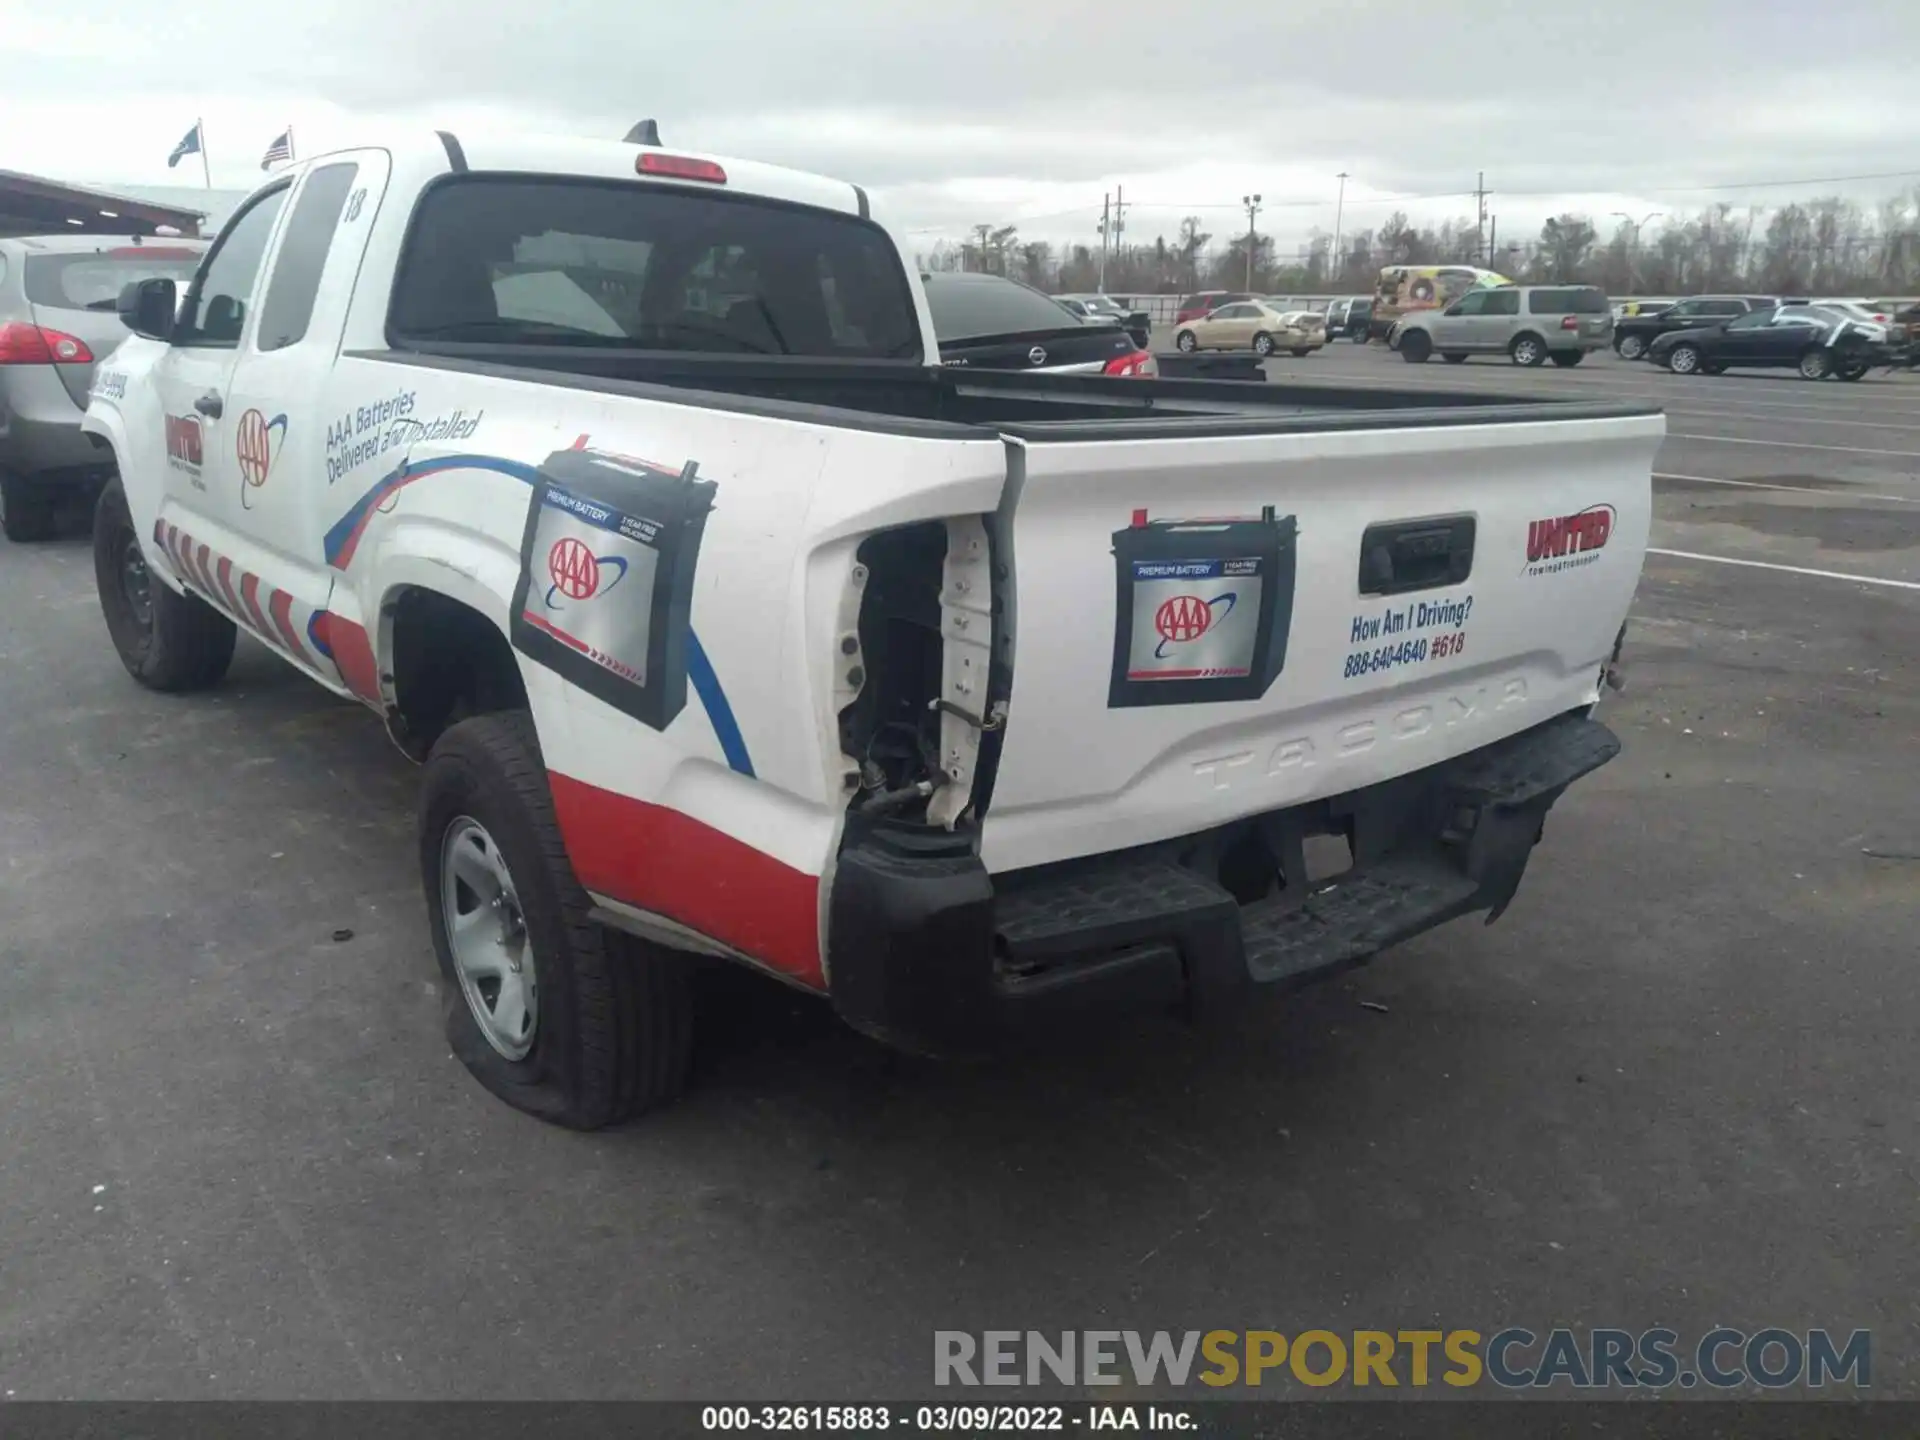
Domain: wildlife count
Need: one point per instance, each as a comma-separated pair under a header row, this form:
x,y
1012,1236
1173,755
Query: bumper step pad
x,y
1358,916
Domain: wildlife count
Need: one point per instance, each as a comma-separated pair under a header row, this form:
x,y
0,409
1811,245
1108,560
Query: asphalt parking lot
x,y
1675,1085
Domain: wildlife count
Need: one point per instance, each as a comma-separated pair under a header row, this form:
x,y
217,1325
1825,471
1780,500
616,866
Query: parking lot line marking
x,y
1787,569
1792,445
1795,489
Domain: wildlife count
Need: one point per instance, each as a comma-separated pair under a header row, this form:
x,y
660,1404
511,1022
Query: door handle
x,y
1412,555
209,405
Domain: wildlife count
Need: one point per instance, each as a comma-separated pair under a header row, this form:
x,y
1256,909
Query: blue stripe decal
x,y
706,685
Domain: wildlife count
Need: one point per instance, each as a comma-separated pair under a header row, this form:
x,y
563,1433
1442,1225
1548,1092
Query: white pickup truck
x,y
622,482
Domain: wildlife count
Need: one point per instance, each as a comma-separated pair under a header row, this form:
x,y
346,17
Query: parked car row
x,y
1707,334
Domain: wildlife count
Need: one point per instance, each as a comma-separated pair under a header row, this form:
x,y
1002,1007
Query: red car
x,y
1205,303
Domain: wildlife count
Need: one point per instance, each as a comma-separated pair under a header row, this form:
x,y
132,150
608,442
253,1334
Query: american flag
x,y
281,150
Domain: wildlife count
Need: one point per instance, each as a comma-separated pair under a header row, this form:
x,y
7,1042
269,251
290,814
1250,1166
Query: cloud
x,y
996,111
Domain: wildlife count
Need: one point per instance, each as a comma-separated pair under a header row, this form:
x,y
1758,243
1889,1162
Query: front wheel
x,y
1567,359
1528,350
167,640
26,509
1632,347
1816,364
1263,344
554,1014
1684,359
1186,342
1416,347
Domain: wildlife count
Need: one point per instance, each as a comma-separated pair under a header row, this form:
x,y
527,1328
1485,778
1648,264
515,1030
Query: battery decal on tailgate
x,y
605,594
1202,610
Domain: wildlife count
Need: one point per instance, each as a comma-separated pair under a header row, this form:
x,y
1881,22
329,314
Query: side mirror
x,y
147,307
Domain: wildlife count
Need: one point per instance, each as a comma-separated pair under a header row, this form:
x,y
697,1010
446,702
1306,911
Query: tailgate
x,y
1210,627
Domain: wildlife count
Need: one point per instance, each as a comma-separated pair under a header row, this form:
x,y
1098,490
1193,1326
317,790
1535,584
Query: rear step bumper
x,y
929,952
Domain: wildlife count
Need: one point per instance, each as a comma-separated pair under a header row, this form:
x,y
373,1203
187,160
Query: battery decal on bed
x,y
605,594
1202,609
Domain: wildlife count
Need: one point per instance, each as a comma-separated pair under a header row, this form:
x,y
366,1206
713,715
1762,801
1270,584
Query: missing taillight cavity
x,y
892,730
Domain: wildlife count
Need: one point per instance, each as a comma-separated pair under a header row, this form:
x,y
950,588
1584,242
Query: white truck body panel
x,y
335,478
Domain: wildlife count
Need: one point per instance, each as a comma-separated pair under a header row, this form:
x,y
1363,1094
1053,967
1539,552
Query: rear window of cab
x,y
557,260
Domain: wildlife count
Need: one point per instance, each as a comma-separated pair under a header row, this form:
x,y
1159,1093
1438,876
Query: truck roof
x,y
611,159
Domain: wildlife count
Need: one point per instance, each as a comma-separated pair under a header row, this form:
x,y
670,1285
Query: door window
x,y
288,305
216,312
1474,304
1502,302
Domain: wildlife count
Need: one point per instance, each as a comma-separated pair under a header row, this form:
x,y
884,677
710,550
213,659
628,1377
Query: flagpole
x,y
291,157
206,168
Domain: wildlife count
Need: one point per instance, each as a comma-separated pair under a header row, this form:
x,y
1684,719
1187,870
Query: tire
x,y
1852,370
1416,347
1263,344
168,641
1455,357
1301,351
1816,364
1186,342
1684,359
26,509
1714,367
1567,359
1360,337
1528,350
608,1020
1631,347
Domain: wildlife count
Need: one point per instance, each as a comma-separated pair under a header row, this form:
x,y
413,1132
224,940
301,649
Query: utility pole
x,y
1480,223
1339,210
1119,228
1106,213
1252,202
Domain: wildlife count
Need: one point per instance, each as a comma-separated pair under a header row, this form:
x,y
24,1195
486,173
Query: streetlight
x,y
1339,208
1252,202
1633,240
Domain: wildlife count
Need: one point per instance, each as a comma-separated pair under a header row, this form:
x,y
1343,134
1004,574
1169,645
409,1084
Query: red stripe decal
x,y
203,568
673,865
353,655
540,622
226,584
280,606
250,599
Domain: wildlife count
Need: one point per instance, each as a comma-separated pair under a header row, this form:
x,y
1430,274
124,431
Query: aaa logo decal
x,y
256,444
1187,617
578,573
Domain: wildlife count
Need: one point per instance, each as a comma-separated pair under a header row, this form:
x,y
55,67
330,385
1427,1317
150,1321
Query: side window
x,y
1502,302
226,287
1685,309
1723,308
1472,304
303,256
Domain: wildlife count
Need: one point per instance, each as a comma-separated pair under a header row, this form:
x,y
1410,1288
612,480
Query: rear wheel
x,y
1303,350
1684,359
1567,359
1528,350
1415,347
1631,347
1263,344
1816,364
1852,370
1186,342
26,509
1454,357
167,640
554,1014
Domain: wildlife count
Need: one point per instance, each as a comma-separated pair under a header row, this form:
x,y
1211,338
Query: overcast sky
x,y
1028,112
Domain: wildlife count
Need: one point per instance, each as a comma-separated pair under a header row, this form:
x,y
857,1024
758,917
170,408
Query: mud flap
x,y
1202,609
605,594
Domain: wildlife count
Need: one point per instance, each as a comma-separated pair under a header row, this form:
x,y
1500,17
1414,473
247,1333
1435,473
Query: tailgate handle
x,y
1409,555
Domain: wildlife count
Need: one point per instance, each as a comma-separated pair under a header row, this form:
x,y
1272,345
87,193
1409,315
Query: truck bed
x,y
911,398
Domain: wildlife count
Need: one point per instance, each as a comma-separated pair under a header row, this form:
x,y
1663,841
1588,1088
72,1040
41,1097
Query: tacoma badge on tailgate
x,y
1202,609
